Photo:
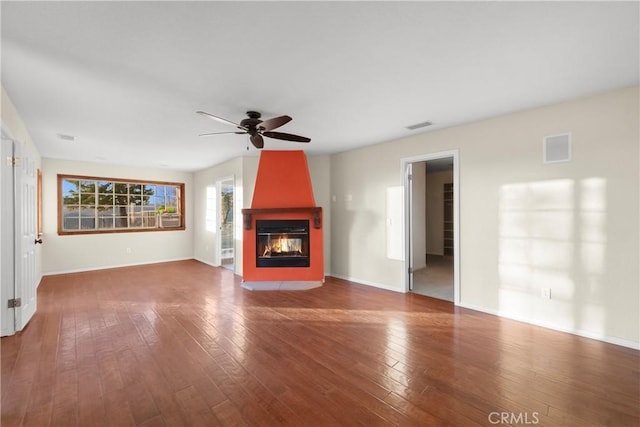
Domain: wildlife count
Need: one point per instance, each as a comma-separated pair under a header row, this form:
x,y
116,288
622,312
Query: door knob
x,y
38,241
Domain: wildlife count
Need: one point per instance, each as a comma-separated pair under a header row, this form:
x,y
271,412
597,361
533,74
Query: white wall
x,y
359,181
70,253
320,172
524,225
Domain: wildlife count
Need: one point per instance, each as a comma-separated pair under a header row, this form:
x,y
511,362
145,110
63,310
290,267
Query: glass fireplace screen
x,y
282,243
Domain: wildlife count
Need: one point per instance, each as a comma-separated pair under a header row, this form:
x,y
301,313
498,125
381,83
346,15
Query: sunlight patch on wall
x,y
593,245
210,216
395,202
535,234
552,247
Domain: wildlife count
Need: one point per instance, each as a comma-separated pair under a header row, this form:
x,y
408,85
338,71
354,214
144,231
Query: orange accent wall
x,y
283,181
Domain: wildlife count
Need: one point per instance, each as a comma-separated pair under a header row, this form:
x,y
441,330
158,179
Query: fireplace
x,y
282,243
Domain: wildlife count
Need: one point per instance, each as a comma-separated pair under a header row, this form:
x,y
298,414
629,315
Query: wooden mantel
x,y
316,211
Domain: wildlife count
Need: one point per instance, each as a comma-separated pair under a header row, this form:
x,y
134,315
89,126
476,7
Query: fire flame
x,y
283,245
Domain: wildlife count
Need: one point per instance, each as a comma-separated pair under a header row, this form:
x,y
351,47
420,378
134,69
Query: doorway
x,y
227,239
431,225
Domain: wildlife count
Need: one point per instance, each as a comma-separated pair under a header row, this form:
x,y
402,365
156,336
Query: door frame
x,y
219,183
406,165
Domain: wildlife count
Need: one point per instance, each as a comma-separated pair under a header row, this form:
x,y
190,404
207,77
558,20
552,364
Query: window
x,y
106,205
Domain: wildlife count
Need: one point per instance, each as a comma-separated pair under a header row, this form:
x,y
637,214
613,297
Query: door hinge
x,y
13,161
409,177
16,302
410,270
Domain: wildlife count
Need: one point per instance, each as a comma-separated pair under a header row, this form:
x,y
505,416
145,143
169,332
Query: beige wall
x,y
320,171
524,225
94,251
11,120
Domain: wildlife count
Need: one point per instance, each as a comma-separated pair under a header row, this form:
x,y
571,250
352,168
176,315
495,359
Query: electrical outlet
x,y
546,293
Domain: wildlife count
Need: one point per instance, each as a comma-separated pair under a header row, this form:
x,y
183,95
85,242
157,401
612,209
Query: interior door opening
x,y
226,226
432,226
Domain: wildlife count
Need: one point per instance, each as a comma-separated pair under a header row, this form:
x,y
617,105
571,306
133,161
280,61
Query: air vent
x,y
419,125
556,148
65,137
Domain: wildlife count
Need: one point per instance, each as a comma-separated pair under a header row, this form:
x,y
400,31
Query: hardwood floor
x,y
182,343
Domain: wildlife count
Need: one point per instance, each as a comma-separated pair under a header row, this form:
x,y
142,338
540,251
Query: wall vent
x,y
556,148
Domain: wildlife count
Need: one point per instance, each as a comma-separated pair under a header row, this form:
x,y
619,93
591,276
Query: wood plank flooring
x,y
181,344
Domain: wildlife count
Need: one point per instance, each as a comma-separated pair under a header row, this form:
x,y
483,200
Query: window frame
x,y
180,208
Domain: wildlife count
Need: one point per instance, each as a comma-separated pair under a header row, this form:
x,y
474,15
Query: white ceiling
x,y
125,78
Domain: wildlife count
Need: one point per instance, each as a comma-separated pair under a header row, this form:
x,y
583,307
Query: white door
x,y
26,281
7,240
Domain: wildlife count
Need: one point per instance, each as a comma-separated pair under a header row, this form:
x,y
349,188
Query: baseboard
x,y
107,267
207,262
579,332
365,282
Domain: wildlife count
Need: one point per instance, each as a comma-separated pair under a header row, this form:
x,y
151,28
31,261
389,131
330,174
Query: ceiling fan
x,y
257,128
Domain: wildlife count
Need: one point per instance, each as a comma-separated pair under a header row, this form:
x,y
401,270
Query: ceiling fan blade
x,y
286,136
221,133
275,122
220,119
257,140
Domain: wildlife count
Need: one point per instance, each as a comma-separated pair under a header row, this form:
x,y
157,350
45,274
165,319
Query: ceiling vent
x,y
419,125
65,137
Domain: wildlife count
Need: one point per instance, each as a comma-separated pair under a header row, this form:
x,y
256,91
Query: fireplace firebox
x,y
282,243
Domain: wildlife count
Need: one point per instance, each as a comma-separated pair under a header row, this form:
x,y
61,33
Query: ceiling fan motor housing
x,y
251,124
